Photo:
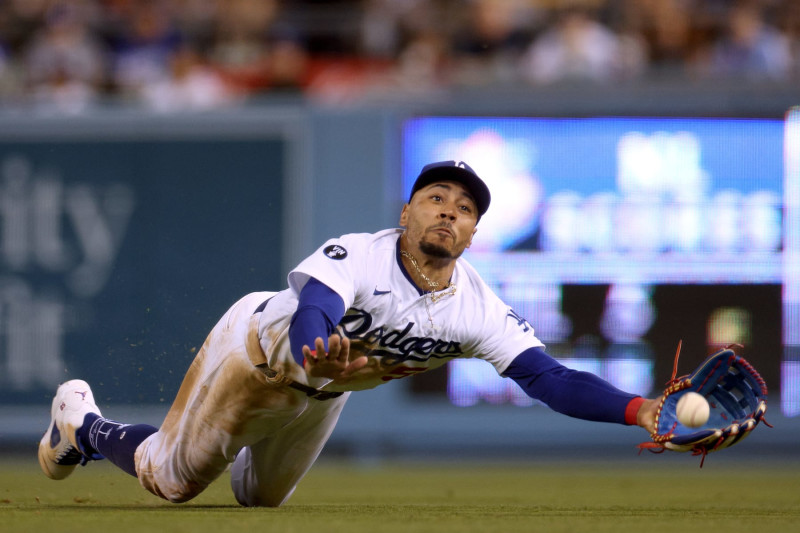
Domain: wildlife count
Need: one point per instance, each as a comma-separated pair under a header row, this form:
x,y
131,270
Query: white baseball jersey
x,y
400,329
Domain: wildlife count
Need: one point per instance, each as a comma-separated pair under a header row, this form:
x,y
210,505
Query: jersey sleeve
x,y
319,309
338,264
571,392
505,335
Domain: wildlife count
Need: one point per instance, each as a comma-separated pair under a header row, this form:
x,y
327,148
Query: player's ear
x,y
474,231
404,216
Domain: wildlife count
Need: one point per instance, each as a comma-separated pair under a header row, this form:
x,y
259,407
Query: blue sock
x,y
115,441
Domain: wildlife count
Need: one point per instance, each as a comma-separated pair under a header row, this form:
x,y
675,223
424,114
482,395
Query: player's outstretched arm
x,y
333,364
578,394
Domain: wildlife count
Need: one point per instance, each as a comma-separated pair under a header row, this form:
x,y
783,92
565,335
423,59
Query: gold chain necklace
x,y
451,287
429,281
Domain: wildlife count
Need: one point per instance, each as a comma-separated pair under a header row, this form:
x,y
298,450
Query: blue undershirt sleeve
x,y
570,392
319,309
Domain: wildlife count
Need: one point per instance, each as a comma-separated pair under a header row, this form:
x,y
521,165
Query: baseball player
x,y
265,390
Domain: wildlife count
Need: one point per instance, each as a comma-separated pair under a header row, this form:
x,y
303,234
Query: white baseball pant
x,y
226,411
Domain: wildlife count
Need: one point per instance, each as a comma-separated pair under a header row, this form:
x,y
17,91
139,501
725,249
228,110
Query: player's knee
x,y
250,495
185,495
176,493
253,500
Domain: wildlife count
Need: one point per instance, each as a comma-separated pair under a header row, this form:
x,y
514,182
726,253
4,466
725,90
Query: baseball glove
x,y
737,397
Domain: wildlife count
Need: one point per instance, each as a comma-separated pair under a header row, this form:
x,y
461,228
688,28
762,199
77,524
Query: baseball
x,y
692,410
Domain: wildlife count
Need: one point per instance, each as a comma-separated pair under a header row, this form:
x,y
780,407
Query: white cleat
x,y
59,452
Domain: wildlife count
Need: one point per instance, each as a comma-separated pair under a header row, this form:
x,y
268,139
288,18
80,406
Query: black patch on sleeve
x,y
334,251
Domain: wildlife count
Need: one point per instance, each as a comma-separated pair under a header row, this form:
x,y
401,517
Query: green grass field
x,y
637,495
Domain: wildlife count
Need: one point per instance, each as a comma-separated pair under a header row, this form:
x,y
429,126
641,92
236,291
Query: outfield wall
x,y
123,236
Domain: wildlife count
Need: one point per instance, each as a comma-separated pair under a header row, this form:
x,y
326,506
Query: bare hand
x,y
646,417
333,364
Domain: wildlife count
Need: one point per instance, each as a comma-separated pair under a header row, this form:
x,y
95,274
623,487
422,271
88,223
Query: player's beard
x,y
440,251
435,250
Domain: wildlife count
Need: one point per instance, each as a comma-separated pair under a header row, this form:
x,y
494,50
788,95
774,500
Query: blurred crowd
x,y
171,55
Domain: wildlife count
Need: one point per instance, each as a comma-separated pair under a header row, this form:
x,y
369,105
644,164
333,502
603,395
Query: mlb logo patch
x,y
334,251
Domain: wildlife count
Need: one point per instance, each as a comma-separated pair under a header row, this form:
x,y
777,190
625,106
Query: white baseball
x,y
692,410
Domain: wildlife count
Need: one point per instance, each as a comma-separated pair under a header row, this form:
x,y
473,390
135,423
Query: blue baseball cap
x,y
459,172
